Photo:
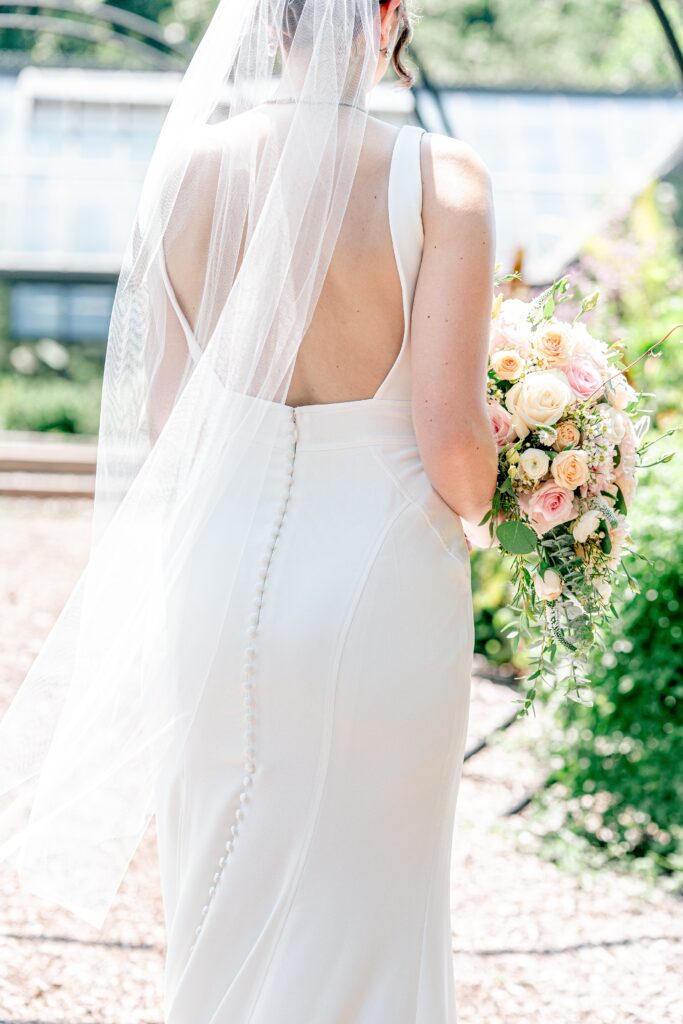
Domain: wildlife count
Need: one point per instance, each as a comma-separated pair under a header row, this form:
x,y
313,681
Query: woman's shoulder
x,y
455,177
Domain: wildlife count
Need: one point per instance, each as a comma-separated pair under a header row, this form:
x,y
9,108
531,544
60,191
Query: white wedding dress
x,y
305,842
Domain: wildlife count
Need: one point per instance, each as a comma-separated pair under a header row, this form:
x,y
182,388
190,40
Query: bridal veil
x,y
249,183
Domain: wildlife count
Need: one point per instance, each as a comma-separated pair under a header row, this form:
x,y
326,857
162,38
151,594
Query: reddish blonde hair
x,y
405,34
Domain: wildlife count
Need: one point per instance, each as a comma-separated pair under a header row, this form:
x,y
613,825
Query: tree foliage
x,y
579,44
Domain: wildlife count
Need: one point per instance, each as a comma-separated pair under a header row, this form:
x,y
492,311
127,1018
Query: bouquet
x,y
565,422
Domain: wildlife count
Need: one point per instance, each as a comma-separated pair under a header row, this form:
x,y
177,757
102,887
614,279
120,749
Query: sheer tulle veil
x,y
249,183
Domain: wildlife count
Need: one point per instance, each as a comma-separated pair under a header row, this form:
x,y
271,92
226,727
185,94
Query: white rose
x,y
534,463
548,587
519,426
619,392
615,424
570,468
507,364
585,526
604,588
539,400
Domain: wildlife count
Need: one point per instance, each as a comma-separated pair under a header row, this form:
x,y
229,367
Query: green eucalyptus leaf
x,y
606,540
517,538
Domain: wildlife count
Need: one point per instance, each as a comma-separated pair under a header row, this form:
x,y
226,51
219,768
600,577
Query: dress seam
x,y
448,773
325,755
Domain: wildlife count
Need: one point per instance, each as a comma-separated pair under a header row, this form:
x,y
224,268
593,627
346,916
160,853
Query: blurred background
x,y
577,108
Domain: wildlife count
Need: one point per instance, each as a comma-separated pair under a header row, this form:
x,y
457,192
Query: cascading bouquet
x,y
564,419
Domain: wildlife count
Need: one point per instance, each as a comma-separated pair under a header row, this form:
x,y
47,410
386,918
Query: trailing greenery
x,y
616,789
616,771
636,266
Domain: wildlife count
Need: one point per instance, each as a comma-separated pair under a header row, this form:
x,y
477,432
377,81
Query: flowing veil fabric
x,y
249,183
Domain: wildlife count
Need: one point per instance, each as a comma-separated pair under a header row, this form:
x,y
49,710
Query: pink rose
x,y
501,421
584,377
550,505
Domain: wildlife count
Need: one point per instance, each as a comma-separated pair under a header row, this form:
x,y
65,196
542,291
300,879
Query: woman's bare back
x,y
357,328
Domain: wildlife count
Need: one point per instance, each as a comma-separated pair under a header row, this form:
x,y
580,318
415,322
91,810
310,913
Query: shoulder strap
x,y
192,343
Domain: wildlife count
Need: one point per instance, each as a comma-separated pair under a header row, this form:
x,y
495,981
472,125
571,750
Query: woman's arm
x,y
450,327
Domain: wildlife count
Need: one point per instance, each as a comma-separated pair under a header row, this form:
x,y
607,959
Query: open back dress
x,y
305,841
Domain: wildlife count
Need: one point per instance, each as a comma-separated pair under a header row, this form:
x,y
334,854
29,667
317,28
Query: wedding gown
x,y
305,842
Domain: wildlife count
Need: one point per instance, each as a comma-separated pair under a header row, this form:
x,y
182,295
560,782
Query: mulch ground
x,y
532,945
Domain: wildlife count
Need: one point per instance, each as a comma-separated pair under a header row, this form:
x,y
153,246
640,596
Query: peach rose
x,y
549,506
554,343
567,434
507,364
570,468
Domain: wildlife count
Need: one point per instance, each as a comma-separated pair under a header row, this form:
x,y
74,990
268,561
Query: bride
x,y
270,648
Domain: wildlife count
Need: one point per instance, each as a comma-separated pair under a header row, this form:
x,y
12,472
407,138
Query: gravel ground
x,y
531,944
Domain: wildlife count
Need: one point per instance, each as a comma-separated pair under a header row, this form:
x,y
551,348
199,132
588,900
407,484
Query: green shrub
x,y
491,596
49,404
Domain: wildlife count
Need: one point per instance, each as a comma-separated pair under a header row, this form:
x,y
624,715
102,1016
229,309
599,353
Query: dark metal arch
x,y
89,33
669,33
119,26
